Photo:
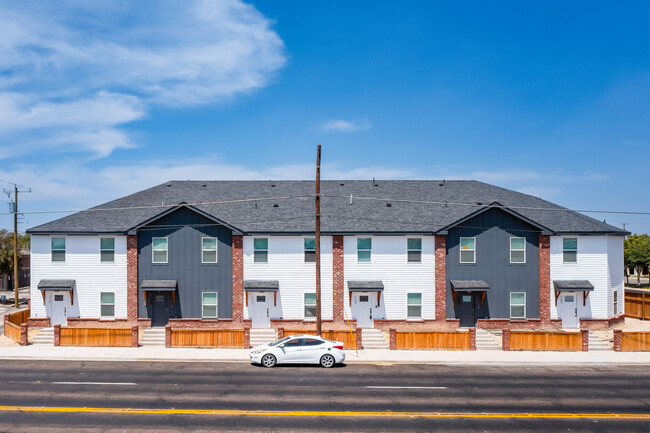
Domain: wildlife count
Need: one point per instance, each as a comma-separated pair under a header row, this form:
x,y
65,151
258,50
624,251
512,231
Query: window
x,y
414,250
261,250
58,249
570,250
517,250
209,250
310,305
615,302
468,250
364,246
107,304
364,298
58,298
107,249
210,301
159,250
517,305
310,250
313,342
414,305
296,342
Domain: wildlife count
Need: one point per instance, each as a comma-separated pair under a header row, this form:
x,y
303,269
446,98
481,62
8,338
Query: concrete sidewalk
x,y
389,356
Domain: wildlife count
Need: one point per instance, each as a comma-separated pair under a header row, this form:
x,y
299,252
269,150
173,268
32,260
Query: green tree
x,y
7,250
637,253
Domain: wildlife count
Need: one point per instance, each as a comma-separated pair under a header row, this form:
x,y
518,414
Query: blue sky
x,y
101,99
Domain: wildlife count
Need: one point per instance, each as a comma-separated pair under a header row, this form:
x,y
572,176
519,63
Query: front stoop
x,y
373,339
260,336
487,340
153,337
45,337
596,344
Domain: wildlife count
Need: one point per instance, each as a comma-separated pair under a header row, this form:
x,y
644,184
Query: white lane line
x,y
406,387
96,383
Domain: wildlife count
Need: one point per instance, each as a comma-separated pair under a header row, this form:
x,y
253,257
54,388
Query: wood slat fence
x,y
226,338
444,340
637,304
344,337
106,337
635,341
12,324
537,340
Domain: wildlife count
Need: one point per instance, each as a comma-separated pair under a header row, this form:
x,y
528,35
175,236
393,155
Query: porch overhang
x,y
583,286
57,286
263,286
468,286
158,286
366,286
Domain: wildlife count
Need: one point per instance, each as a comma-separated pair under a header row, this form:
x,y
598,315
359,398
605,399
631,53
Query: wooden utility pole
x,y
16,246
318,315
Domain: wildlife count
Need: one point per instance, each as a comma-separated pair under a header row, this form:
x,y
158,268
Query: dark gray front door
x,y
160,309
467,310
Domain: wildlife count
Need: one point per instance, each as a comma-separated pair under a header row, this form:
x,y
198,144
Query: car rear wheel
x,y
327,361
268,360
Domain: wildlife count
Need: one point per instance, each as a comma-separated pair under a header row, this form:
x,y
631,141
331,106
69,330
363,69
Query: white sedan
x,y
299,349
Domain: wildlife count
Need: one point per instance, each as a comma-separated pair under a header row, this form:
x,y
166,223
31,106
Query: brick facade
x,y
132,278
197,323
135,336
618,340
472,339
505,340
44,322
585,340
441,278
338,278
237,278
545,278
528,324
602,324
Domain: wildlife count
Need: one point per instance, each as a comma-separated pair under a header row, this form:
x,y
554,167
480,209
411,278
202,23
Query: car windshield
x,y
280,341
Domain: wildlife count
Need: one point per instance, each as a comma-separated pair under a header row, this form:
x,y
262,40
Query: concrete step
x,y
260,336
373,339
487,341
45,337
596,344
153,337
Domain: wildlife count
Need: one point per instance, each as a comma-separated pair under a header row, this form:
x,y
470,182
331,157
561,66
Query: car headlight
x,y
259,351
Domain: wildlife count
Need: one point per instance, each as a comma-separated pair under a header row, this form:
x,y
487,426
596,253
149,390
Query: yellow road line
x,y
346,414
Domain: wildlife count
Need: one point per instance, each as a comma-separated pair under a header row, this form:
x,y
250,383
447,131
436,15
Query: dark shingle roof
x,y
288,207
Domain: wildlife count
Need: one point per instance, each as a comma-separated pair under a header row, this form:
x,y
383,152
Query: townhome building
x,y
407,254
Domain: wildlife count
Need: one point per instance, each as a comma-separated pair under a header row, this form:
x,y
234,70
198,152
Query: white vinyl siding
x,y
82,264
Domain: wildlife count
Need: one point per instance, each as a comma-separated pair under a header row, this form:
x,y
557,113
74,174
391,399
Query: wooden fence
x,y
538,340
635,341
19,317
12,324
106,337
637,304
348,339
445,340
12,331
227,338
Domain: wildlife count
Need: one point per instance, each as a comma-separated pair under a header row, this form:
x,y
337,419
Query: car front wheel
x,y
268,360
327,361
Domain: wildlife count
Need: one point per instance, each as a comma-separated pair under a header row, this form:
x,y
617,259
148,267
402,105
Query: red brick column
x,y
237,278
505,340
135,336
57,335
280,333
24,330
585,340
545,278
168,336
392,345
472,339
441,278
247,337
338,279
618,340
132,277
359,339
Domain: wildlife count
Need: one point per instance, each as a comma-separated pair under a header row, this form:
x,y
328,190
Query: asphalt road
x,y
156,396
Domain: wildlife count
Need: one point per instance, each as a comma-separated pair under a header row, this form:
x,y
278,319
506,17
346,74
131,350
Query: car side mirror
x,y
282,346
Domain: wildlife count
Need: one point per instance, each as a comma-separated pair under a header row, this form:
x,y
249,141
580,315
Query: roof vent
x,y
204,185
342,184
442,183
389,205
480,203
272,185
276,205
255,205
169,184
374,182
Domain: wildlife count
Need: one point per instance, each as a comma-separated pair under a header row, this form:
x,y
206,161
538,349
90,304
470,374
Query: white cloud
x,y
346,126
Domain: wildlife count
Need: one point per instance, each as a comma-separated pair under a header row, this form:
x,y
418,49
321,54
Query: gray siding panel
x,y
184,229
493,230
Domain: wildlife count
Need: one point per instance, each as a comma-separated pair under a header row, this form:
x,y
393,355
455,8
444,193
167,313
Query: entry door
x,y
467,310
568,310
160,309
259,311
60,306
362,309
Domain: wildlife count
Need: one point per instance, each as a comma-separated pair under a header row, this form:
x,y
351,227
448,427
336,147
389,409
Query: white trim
x,y
101,316
460,248
370,250
304,306
65,254
304,253
408,250
153,261
255,250
216,250
407,305
511,250
517,305
216,305
102,250
563,249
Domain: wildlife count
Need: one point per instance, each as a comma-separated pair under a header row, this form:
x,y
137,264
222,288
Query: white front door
x,y
259,309
60,302
568,310
362,309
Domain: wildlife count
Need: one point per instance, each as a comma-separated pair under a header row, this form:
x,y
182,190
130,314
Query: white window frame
x,y
216,305
65,245
408,250
216,250
101,304
413,305
571,250
261,250
615,301
511,250
153,256
518,305
460,247
305,250
364,249
101,250
304,306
